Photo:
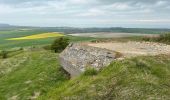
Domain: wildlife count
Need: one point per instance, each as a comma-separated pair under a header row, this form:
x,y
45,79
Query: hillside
x,y
29,74
37,74
139,78
8,27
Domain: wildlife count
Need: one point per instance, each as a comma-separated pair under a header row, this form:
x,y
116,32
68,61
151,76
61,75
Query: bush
x,y
163,38
47,47
60,44
146,38
90,72
4,54
21,49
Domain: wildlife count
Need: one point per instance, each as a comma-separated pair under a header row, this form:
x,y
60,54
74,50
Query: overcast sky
x,y
86,13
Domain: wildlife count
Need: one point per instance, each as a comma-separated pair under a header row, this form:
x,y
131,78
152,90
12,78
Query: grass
x,y
139,78
90,72
11,53
39,36
16,34
29,74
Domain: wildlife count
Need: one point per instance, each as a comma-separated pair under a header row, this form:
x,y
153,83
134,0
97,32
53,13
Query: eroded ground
x,y
112,35
130,49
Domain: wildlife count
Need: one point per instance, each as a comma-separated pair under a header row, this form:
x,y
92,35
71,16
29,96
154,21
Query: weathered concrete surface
x,y
77,57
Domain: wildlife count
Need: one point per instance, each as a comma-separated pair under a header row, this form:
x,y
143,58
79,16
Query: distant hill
x,y
112,29
87,30
4,25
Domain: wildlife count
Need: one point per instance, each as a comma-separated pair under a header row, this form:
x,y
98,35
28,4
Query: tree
x,y
60,44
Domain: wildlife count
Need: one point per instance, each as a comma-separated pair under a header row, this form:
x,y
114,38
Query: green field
x,y
5,44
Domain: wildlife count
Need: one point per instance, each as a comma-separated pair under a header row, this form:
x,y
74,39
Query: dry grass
x,y
39,36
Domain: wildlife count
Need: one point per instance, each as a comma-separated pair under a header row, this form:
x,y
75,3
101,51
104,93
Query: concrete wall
x,y
77,57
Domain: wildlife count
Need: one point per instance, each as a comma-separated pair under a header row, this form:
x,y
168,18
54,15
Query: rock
x,y
77,57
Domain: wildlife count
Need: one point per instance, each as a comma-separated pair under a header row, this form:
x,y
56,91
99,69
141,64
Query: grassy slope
x,y
25,75
131,79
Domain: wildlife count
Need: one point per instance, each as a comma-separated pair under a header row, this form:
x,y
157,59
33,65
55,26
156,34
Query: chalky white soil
x,y
131,49
112,35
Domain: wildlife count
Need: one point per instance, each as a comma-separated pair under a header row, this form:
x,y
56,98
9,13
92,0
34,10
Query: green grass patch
x,y
90,72
29,74
137,78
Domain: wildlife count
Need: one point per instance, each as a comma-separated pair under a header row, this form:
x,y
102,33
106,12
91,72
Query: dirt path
x,y
130,49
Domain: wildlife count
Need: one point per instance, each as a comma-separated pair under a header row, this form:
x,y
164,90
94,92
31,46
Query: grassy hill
x,y
37,73
140,78
29,74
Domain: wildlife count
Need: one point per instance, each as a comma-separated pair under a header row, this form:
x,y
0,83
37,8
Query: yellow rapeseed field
x,y
39,36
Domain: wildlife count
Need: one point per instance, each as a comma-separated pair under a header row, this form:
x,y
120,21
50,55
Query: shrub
x,y
4,54
165,37
60,44
21,49
146,38
47,47
90,72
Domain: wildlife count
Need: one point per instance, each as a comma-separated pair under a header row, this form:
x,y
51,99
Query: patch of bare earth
x,y
132,49
112,35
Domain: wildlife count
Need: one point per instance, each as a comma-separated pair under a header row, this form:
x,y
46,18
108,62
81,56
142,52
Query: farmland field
x,y
32,37
39,36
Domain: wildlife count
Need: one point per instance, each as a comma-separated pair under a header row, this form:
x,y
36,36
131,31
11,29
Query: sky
x,y
86,13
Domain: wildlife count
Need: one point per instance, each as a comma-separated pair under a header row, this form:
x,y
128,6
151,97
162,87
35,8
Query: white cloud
x,y
86,11
92,13
120,6
78,1
161,3
154,20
